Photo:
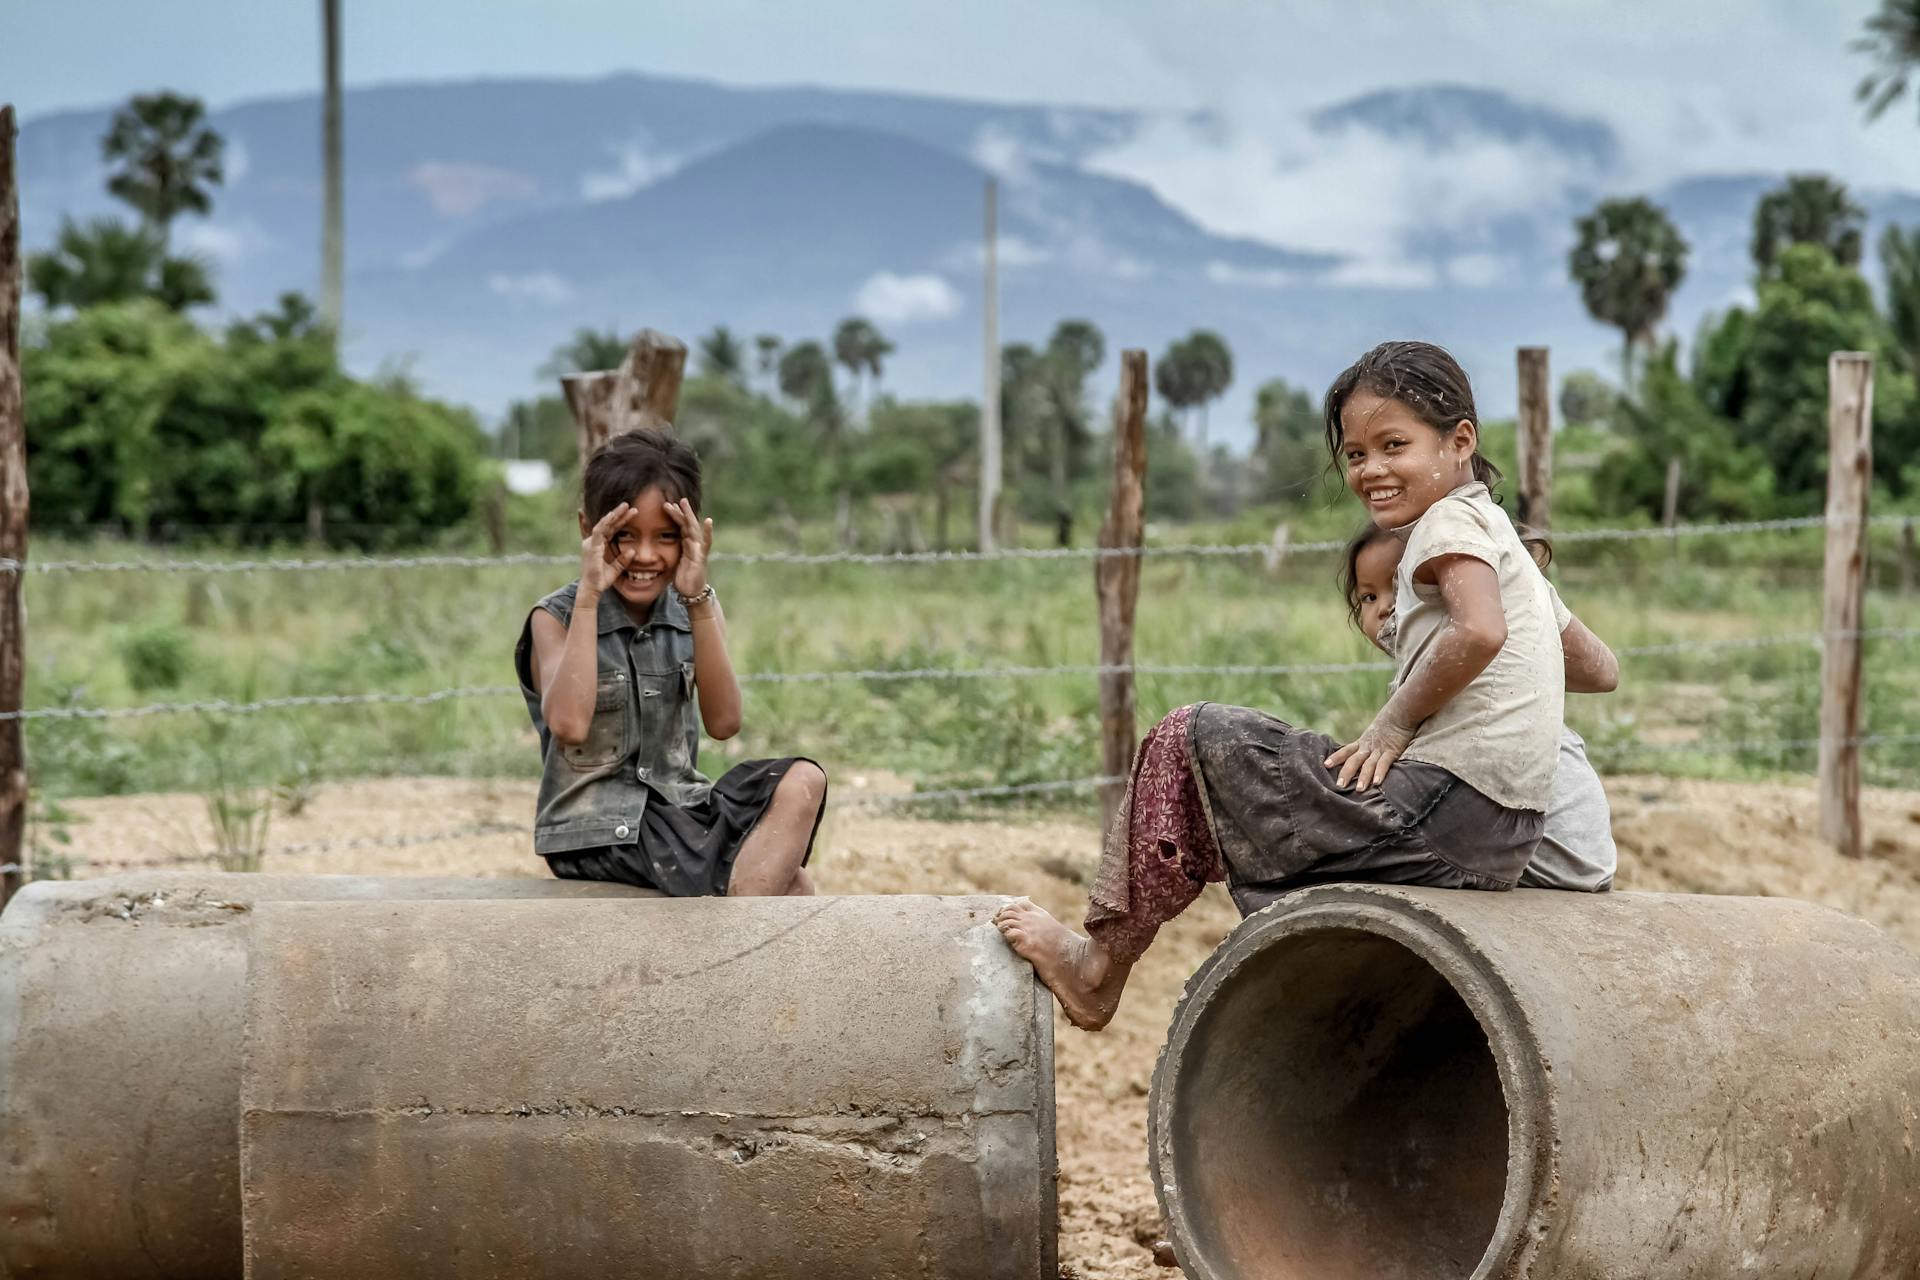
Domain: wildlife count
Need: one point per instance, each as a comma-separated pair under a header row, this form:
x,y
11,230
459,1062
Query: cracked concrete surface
x,y
121,1017
448,1082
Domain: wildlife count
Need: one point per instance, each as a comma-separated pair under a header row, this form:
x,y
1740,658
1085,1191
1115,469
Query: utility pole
x,y
333,218
990,382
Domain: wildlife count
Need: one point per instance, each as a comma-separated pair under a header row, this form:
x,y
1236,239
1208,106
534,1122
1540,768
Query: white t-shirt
x,y
1501,733
1576,850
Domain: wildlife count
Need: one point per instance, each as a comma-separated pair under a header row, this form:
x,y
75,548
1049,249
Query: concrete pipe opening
x,y
1336,1112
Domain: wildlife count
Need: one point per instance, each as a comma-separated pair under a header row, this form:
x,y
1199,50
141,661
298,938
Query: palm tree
x,y
767,347
1628,259
587,351
806,376
333,234
1020,399
1212,362
722,356
107,261
162,158
860,349
1810,208
1900,261
1893,38
1287,427
183,282
1176,377
879,347
1075,350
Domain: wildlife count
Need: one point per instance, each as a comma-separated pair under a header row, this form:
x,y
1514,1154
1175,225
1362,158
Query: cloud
x,y
1384,273
1000,152
456,188
223,243
636,165
896,299
1374,201
543,287
1251,277
1479,270
1014,251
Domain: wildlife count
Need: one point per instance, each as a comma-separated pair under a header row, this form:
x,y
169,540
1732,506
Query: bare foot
x,y
1082,976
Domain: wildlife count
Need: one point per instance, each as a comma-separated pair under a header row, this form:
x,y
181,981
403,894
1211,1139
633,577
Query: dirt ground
x,y
1673,835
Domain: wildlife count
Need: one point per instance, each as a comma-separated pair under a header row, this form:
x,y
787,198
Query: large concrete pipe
x,y
1417,1084
122,1005
773,1087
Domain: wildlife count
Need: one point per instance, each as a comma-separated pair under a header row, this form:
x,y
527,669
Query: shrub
x,y
156,656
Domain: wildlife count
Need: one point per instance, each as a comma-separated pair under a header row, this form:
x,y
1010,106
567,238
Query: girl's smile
x,y
646,546
1396,463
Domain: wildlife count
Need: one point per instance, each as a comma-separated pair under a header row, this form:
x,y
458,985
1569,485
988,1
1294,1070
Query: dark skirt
x,y
687,851
1282,823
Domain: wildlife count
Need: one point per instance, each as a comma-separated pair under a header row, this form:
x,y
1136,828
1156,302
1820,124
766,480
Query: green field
x,y
132,638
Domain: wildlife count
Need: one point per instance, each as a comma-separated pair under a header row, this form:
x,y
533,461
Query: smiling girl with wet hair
x,y
1449,784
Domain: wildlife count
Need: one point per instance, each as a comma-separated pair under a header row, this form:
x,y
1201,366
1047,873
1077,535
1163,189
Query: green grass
x,y
119,640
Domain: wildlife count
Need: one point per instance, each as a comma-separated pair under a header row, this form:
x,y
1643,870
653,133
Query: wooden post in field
x,y
1533,437
1849,481
1116,578
1670,508
643,392
13,529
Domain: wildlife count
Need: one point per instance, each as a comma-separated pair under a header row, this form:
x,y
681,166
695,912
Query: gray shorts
x,y
1282,824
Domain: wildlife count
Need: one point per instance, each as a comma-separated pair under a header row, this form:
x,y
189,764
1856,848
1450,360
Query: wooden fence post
x,y
1670,506
1849,481
1116,578
643,392
13,529
1533,439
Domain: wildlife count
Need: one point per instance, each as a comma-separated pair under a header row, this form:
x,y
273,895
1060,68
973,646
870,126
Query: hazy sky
x,y
1693,85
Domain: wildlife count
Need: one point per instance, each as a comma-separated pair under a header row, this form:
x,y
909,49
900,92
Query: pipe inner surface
x,y
1340,1116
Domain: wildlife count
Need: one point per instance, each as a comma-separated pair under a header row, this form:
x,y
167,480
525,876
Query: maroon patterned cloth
x,y
1160,852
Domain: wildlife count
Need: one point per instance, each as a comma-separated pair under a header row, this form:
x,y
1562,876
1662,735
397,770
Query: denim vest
x,y
644,741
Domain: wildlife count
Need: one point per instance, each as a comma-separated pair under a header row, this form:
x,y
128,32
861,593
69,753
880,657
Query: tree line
x,y
142,421
1744,409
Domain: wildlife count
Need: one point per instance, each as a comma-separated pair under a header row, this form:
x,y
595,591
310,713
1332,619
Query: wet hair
x,y
635,461
1369,533
1422,377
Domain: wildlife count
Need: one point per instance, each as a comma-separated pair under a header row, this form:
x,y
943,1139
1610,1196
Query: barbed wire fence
x,y
1121,552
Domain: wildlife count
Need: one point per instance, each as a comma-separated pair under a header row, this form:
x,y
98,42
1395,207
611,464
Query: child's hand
x,y
696,541
1363,763
598,569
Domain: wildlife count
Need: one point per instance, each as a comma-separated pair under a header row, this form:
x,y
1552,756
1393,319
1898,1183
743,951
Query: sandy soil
x,y
1673,835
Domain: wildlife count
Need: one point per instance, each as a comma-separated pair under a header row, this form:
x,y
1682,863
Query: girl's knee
x,y
805,783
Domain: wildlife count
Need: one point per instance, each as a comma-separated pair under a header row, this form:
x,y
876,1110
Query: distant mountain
x,y
1450,115
782,233
487,220
425,162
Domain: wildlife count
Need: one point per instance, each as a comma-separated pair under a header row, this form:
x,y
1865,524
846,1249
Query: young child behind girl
x,y
1448,786
1576,849
616,666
